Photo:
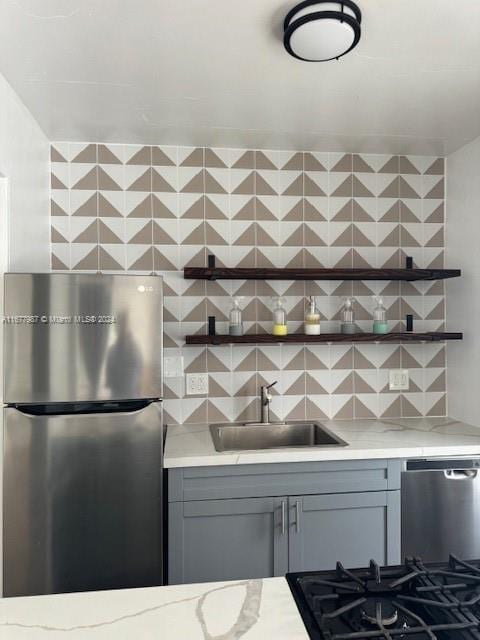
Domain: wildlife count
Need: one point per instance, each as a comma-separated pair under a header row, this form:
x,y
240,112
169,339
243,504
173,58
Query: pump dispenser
x,y
348,317
235,327
312,318
380,324
279,317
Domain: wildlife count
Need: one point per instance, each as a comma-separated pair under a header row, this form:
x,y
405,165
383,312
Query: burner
x,y
410,602
379,612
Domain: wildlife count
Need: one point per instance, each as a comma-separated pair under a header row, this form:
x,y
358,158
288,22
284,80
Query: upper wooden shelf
x,y
222,273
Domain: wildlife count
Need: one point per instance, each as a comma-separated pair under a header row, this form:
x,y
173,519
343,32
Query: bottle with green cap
x,y
380,323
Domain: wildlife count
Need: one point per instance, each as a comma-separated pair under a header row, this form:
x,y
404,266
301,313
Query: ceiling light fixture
x,y
320,30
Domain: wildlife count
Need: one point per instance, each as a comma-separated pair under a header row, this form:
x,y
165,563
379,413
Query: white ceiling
x,y
214,72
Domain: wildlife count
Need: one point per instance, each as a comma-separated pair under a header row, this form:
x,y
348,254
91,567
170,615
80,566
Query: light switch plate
x,y
197,384
173,367
399,380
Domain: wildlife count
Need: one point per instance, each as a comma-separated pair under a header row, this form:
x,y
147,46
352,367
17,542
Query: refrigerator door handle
x,y
91,410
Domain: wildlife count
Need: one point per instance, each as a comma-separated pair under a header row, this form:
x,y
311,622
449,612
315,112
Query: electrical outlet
x,y
197,384
399,380
173,367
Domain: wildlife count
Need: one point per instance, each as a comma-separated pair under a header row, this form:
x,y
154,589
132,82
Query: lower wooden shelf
x,y
266,338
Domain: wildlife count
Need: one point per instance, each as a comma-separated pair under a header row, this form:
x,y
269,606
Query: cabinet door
x,y
351,527
235,539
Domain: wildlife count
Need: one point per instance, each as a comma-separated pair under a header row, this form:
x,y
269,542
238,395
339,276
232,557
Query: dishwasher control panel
x,y
442,463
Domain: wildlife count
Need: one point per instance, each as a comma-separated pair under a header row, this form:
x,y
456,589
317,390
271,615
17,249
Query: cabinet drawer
x,y
300,478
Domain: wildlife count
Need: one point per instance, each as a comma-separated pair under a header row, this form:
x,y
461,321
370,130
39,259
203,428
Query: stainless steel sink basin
x,y
254,436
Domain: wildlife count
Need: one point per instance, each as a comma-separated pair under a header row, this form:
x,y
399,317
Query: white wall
x,y
24,204
463,294
24,162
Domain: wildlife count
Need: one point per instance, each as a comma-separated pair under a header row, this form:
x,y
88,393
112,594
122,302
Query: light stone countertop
x,y
248,609
192,445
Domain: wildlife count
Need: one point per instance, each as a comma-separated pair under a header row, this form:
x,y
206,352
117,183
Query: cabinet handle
x,y
283,517
297,516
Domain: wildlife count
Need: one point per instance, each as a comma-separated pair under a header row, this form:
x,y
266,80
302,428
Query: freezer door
x,y
82,337
82,501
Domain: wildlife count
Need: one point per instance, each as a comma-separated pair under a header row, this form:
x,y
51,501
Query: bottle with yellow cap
x,y
279,318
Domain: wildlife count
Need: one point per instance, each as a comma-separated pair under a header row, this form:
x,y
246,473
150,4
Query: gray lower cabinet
x,y
213,540
352,527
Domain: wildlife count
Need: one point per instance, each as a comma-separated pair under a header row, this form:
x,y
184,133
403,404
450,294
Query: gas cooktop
x,y
415,601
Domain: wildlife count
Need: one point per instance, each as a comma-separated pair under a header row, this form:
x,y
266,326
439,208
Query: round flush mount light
x,y
320,30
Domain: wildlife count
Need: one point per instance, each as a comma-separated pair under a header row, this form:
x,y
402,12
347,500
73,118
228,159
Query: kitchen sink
x,y
255,435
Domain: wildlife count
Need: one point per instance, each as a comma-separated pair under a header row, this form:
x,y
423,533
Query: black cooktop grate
x,y
412,601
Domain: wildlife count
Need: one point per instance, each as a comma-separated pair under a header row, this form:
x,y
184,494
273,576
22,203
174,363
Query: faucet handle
x,y
271,385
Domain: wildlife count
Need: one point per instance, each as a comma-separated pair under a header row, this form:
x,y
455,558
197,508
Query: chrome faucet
x,y
266,398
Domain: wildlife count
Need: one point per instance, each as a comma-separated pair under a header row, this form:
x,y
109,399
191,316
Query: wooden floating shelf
x,y
222,273
266,338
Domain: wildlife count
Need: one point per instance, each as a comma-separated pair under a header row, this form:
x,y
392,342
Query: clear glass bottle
x,y
279,317
380,323
312,318
348,325
235,325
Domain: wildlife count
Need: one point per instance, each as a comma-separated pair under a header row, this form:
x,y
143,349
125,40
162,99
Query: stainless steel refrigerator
x,y
82,432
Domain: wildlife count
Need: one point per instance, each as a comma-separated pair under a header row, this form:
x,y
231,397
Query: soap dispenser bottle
x,y
235,325
348,325
380,323
312,318
279,318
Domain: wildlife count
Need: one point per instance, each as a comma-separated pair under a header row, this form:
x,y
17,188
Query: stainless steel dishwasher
x,y
441,508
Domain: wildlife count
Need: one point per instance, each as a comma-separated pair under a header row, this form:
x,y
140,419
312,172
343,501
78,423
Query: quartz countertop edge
x,y
247,609
191,445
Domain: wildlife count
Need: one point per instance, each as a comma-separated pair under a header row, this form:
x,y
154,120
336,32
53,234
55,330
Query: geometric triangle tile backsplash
x,y
157,209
